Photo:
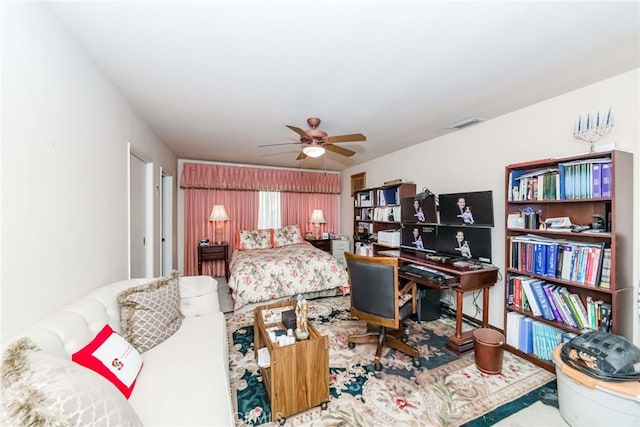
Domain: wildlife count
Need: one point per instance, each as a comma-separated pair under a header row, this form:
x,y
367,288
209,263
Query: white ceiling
x,y
215,79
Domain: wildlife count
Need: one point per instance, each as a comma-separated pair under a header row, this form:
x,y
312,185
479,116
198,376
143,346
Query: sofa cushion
x,y
185,380
41,389
151,313
113,357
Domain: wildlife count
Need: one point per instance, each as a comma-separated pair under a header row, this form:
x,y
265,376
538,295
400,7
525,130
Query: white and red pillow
x,y
113,357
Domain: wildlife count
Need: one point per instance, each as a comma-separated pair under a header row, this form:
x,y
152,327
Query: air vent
x,y
464,123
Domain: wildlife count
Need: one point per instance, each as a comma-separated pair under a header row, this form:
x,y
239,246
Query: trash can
x,y
488,346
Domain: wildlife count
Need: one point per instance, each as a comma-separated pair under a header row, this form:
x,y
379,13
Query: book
x,y
525,342
541,300
513,328
528,290
567,261
580,310
540,258
552,303
551,261
567,315
596,175
605,275
605,180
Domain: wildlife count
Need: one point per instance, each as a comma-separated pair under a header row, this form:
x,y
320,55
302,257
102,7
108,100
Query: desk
x,y
214,253
466,280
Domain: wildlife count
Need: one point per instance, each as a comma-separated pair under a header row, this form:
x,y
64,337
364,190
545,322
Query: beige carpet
x,y
445,391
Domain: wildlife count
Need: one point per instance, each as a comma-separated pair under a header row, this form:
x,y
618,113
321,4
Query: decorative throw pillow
x,y
40,389
289,235
113,357
254,239
151,313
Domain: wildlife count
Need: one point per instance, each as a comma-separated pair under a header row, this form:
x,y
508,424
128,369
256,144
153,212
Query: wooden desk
x,y
214,253
466,280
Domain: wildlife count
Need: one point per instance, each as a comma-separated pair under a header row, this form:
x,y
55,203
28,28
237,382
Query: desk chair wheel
x,y
281,421
352,345
404,339
416,362
324,405
377,366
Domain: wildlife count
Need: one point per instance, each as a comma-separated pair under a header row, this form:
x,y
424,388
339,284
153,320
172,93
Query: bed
x,y
273,268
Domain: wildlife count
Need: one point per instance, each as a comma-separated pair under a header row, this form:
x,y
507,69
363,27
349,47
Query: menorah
x,y
593,129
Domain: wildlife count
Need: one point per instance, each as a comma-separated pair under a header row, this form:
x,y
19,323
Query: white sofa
x,y
184,380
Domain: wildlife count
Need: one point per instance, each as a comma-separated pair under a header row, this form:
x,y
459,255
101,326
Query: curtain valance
x,y
223,177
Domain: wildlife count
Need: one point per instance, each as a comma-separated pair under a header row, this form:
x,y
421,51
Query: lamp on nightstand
x,y
317,218
218,214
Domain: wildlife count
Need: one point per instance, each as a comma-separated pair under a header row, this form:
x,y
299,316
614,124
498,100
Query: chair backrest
x,y
374,290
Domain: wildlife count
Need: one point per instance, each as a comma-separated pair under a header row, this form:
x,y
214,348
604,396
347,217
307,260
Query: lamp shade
x,y
317,217
313,151
218,214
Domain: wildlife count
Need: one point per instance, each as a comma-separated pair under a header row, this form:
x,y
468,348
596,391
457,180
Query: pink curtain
x,y
199,175
296,208
242,208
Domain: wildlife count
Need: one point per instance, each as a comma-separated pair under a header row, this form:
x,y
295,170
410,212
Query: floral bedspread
x,y
259,275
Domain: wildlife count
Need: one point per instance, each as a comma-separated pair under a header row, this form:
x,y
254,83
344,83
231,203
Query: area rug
x,y
446,390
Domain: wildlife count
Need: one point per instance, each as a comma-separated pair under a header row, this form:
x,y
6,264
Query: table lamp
x,y
218,214
317,218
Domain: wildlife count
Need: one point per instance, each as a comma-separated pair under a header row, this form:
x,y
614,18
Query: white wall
x,y
65,135
474,159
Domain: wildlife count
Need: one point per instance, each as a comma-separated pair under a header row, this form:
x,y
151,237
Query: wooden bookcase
x,y
373,212
579,203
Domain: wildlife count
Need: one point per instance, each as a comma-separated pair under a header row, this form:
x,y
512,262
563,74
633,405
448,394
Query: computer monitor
x,y
419,237
473,243
414,210
471,208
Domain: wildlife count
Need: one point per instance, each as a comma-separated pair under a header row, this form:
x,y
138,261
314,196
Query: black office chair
x,y
377,299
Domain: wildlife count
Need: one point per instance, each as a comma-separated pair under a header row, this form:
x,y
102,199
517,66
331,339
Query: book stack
x,y
580,179
580,262
556,303
531,336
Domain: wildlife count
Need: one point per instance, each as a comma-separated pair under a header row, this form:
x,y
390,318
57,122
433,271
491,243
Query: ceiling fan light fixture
x,y
313,151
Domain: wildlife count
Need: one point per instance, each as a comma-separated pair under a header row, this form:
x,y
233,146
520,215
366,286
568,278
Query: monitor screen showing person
x,y
422,238
473,208
418,210
473,243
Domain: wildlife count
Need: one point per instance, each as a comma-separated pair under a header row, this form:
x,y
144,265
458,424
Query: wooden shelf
x,y
617,210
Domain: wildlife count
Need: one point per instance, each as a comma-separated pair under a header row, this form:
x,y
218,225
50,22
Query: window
x,y
269,209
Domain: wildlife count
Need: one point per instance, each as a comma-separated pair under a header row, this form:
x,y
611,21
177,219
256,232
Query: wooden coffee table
x,y
298,376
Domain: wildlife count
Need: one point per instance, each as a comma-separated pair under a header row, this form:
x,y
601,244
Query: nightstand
x,y
214,253
322,244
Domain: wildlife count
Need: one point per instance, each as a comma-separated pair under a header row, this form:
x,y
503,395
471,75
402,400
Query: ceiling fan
x,y
316,141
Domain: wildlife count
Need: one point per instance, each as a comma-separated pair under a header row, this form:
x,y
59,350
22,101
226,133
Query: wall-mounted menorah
x,y
592,129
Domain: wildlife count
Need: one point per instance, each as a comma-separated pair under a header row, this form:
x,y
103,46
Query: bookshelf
x,y
552,273
377,209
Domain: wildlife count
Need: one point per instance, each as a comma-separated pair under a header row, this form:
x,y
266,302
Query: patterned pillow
x,y
254,239
151,313
40,389
289,235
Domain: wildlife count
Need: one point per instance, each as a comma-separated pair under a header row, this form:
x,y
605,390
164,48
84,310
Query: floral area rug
x,y
446,390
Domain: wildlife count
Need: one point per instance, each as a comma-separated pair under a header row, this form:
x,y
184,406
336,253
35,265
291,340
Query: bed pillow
x,y
151,313
113,357
39,388
254,239
289,235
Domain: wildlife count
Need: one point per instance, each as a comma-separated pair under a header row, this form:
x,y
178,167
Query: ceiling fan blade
x,y
299,132
301,156
283,143
339,150
346,138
